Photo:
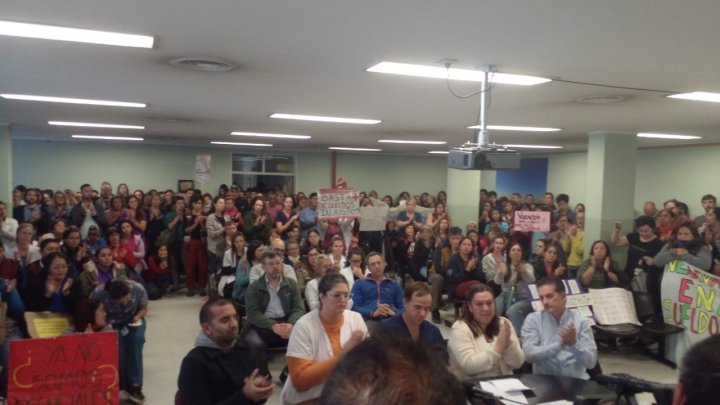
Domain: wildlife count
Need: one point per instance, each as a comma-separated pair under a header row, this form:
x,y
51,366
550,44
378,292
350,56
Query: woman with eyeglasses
x,y
483,344
319,339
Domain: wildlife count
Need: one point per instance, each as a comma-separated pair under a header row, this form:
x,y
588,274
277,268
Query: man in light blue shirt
x,y
557,341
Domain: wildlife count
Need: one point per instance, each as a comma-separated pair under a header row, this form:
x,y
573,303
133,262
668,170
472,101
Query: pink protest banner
x,y
531,221
336,203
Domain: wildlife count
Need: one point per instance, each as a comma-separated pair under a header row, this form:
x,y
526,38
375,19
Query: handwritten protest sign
x,y
76,369
531,221
335,203
46,324
373,218
691,300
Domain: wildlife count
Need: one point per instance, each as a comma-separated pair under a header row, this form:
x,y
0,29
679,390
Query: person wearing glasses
x,y
319,339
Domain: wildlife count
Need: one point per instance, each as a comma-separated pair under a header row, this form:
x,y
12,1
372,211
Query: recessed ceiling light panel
x,y
355,149
440,72
515,128
698,96
412,142
666,136
94,125
265,135
439,152
50,99
40,31
534,146
109,138
264,145
318,118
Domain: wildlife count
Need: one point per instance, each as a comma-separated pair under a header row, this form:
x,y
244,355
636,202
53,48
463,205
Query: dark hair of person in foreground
x,y
387,369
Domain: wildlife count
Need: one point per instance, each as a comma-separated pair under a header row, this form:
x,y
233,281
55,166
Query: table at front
x,y
548,388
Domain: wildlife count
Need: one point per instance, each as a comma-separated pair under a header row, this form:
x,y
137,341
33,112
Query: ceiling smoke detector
x,y
203,64
601,99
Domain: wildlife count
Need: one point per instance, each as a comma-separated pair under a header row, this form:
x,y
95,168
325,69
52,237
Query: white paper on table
x,y
514,396
509,384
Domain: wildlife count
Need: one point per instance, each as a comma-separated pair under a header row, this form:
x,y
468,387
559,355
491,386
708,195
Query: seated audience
x,y
90,317
483,344
685,244
550,264
52,289
221,368
273,304
318,340
100,271
376,297
157,276
417,301
599,270
312,294
464,270
277,246
513,277
557,341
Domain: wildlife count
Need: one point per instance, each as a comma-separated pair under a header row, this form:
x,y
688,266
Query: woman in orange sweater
x,y
318,340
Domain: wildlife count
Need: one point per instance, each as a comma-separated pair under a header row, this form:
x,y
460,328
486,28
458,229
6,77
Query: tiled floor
x,y
173,325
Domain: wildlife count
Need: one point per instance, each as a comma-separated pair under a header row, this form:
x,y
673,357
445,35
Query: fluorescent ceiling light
x,y
72,100
440,72
40,31
241,144
94,125
666,136
412,142
263,135
439,152
534,146
108,138
698,96
513,128
325,119
355,149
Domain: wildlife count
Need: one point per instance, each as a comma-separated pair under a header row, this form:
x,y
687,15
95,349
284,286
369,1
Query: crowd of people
x,y
318,287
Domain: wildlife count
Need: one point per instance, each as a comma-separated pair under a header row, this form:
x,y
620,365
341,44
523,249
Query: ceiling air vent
x,y
203,64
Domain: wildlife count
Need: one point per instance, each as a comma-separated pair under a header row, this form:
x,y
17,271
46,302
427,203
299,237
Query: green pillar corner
x,y
611,166
463,194
6,164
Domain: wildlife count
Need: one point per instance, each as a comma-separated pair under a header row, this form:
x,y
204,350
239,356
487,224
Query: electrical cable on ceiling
x,y
447,82
609,86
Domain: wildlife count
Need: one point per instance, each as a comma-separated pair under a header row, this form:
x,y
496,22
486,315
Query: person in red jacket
x,y
157,276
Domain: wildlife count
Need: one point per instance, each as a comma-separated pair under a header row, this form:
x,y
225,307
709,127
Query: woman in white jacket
x,y
483,344
319,338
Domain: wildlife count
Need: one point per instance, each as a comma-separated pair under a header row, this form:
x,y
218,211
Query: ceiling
x,y
310,56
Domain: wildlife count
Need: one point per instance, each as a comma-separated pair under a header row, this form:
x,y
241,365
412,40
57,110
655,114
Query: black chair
x,y
652,329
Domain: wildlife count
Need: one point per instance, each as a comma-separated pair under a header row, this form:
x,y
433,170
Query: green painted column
x,y
6,162
463,192
610,187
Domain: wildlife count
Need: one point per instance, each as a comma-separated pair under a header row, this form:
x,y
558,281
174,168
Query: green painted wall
x,y
686,173
393,174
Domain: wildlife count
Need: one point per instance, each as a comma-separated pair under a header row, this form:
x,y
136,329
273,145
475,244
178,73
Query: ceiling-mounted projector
x,y
487,157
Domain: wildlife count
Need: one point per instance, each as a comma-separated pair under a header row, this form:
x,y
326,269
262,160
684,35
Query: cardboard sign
x,y
373,218
46,324
336,203
531,221
691,300
75,369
